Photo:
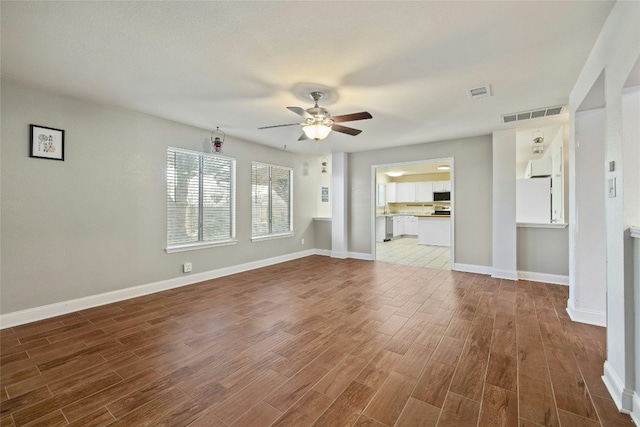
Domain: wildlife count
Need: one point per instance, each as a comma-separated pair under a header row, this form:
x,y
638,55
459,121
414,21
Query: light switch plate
x,y
611,185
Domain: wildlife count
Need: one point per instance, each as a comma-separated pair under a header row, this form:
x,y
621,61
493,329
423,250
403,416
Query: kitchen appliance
x,y
441,196
442,210
388,228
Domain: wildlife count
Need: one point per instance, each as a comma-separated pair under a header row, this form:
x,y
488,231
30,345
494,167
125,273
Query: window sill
x,y
205,245
540,225
272,237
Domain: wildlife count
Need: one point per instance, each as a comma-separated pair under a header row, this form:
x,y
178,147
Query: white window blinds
x,y
200,198
270,200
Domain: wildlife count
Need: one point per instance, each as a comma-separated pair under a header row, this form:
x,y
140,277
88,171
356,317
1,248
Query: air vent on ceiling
x,y
479,92
532,114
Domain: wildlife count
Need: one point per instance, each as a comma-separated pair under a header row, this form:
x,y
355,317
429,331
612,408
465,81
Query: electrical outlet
x,y
186,267
302,242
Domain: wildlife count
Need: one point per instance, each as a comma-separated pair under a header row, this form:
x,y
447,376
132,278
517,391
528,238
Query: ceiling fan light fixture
x,y
316,131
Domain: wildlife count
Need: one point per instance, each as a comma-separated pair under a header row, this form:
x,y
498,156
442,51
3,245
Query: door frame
x,y
374,185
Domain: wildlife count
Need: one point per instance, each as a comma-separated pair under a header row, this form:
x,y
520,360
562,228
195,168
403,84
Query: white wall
x,y
96,222
588,292
472,192
614,55
504,205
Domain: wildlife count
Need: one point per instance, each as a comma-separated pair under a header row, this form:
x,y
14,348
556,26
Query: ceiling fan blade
x,y
351,117
301,112
344,129
279,126
303,137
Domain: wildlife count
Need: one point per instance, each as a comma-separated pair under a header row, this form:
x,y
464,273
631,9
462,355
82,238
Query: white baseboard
x,y
504,274
635,414
323,252
622,397
590,317
339,255
51,310
358,255
470,268
544,277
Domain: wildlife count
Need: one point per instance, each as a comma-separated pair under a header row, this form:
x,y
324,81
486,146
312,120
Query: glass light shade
x,y
537,147
443,168
316,131
395,174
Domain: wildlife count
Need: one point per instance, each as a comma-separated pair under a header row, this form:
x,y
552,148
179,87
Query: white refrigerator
x,y
533,200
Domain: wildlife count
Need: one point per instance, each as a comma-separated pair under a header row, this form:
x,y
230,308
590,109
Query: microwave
x,y
441,196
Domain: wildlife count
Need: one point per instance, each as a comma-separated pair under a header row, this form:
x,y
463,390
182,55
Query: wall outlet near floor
x,y
302,241
186,267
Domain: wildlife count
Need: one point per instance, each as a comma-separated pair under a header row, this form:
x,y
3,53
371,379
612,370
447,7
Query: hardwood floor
x,y
316,341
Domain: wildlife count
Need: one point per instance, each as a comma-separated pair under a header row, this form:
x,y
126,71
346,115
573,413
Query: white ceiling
x,y
237,65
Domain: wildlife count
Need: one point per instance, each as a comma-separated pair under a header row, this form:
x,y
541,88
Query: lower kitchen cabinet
x,y
435,231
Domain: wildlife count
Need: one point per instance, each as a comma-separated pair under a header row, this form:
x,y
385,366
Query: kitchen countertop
x,y
417,215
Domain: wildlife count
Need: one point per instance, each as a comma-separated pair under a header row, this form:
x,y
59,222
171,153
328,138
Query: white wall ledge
x,y
537,225
635,232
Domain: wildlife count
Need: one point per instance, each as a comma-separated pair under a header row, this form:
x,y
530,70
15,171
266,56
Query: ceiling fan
x,y
318,123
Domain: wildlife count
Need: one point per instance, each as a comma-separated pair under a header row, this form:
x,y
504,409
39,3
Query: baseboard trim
x,y
339,255
323,252
590,317
504,274
622,397
51,310
544,277
635,414
471,268
359,255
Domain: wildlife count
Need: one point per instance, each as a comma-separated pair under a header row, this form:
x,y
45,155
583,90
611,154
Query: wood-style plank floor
x,y
316,341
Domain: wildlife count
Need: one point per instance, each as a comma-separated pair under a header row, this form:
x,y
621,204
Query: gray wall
x,y
323,234
543,250
97,221
472,193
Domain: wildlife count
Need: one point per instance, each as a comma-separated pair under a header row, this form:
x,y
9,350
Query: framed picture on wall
x,y
46,143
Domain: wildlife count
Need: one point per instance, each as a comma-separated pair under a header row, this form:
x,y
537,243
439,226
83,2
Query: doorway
x,y
413,213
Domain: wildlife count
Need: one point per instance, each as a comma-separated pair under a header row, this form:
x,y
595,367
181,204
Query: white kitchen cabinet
x,y
439,186
435,231
398,226
538,168
406,192
424,191
410,226
391,190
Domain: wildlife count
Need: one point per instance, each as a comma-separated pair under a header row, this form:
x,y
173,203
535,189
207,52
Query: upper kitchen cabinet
x,y
439,186
538,168
391,189
424,191
406,192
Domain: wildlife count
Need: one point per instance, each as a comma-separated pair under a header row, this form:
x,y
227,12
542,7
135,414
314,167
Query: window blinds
x,y
200,198
270,200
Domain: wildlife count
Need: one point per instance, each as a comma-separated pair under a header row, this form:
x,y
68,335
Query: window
x,y
200,200
270,201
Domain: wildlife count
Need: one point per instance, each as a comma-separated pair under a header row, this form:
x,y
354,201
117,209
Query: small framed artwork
x,y
46,143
